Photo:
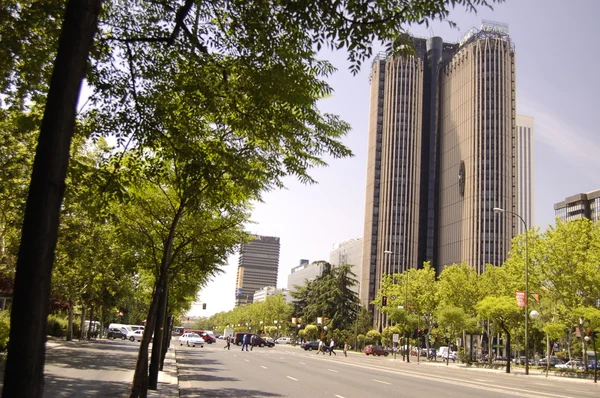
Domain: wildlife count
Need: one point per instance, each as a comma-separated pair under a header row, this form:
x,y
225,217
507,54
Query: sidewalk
x,y
168,383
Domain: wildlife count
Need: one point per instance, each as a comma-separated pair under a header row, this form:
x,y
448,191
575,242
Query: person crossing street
x,y
331,347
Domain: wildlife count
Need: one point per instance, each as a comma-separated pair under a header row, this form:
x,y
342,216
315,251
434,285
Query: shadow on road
x,y
114,356
225,392
57,386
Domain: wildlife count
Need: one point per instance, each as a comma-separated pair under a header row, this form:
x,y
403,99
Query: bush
x,y
4,329
57,326
463,356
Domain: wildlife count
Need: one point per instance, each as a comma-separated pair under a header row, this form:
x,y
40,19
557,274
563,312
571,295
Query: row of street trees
x,y
564,285
209,105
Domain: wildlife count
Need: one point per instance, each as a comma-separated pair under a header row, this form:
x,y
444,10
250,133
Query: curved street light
x,y
498,210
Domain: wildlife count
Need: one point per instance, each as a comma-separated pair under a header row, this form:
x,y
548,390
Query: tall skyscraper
x,y
582,205
524,151
440,156
257,267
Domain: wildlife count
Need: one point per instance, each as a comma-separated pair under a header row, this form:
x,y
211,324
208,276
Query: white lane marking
x,y
264,367
482,380
382,382
339,396
303,363
332,370
247,360
290,377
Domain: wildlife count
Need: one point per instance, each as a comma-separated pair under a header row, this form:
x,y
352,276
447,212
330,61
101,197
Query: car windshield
x,y
193,335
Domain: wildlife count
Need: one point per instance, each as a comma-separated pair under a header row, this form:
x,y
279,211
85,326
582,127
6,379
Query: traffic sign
x,y
396,337
393,297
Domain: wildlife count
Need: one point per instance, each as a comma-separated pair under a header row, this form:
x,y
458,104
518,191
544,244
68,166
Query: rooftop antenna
x,y
431,31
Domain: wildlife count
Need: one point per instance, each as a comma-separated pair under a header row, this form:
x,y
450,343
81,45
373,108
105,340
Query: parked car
x,y
375,350
116,333
208,338
311,345
191,339
553,361
451,356
138,335
572,364
591,364
284,340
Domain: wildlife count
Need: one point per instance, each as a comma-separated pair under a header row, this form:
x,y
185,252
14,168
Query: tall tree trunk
x,y
89,329
166,340
507,349
70,325
140,377
82,323
157,344
24,374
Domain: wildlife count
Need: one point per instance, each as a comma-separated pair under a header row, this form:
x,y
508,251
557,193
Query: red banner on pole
x,y
521,298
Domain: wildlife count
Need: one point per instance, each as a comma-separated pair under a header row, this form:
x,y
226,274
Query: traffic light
x,y
203,306
383,301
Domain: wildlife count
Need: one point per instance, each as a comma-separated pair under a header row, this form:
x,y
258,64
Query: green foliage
x,y
311,332
4,330
329,296
373,337
57,326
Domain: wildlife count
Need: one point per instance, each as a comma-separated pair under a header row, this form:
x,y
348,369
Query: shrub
x,y
4,329
57,326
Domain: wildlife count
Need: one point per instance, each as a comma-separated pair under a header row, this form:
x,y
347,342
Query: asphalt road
x,y
286,371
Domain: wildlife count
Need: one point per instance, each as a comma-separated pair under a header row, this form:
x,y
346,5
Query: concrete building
x,y
524,155
582,205
348,252
301,273
440,157
262,294
257,267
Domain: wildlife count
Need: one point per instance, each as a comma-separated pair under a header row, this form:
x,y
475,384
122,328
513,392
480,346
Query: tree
x,y
255,26
26,352
503,310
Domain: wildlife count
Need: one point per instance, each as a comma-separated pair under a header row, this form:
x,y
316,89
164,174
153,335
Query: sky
x,y
558,83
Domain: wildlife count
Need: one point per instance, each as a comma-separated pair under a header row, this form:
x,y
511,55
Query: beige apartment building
x,y
441,156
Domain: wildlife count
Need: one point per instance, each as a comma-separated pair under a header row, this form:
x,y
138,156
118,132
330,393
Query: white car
x,y
452,358
191,339
284,340
572,364
137,335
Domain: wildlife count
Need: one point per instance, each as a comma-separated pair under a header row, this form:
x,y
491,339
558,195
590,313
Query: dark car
x,y
116,333
553,361
258,341
375,350
311,345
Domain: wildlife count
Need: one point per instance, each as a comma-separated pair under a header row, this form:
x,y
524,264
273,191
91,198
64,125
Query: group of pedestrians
x,y
323,348
245,342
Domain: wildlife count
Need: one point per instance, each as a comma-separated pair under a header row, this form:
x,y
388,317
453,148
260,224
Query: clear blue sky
x,y
558,83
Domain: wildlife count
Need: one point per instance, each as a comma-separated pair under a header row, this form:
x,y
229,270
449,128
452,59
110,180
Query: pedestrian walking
x,y
252,339
346,349
228,345
245,342
331,347
321,348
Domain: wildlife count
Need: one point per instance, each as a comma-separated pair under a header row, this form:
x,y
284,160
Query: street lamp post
x,y
499,210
